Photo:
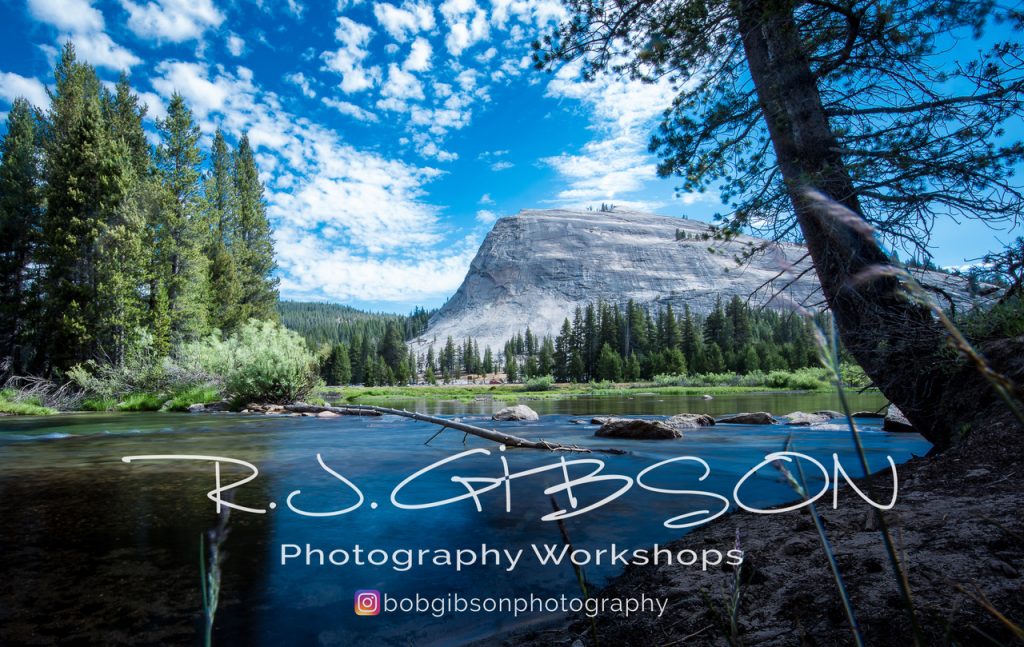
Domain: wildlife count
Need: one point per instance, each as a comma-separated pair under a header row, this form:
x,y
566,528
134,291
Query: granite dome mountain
x,y
534,268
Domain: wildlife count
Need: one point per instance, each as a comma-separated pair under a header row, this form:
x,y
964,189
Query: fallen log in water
x,y
488,434
302,407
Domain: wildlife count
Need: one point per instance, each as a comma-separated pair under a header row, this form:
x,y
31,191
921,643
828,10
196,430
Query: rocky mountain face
x,y
534,268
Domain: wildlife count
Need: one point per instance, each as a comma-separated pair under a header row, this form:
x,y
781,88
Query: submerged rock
x,y
690,421
517,412
638,429
706,397
756,418
896,421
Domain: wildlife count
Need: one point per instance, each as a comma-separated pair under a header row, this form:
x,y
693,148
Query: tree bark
x,y
896,340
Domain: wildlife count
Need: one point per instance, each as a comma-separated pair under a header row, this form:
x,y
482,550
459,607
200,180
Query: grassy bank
x,y
807,379
13,405
515,392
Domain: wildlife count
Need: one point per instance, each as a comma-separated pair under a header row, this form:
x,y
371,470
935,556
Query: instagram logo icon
x,y
367,603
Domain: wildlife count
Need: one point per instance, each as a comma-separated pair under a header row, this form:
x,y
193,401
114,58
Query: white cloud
x,y
98,48
419,56
174,21
538,13
348,223
155,108
430,149
401,85
405,21
192,82
486,217
615,163
501,166
351,109
485,199
304,83
235,44
83,24
76,16
14,85
348,59
467,25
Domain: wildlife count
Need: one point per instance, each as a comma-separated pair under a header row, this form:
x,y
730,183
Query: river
x,y
100,551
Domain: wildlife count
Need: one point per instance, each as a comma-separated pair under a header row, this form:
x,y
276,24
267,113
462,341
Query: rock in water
x,y
896,421
831,415
690,421
600,420
196,408
518,412
536,267
638,429
757,418
800,418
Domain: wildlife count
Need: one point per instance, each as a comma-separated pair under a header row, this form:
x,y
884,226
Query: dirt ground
x,y
958,529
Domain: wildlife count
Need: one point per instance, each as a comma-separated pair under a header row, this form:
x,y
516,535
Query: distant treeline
x,y
602,341
107,242
358,347
608,342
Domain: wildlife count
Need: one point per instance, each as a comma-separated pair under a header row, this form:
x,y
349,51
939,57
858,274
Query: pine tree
x,y
179,232
609,364
341,366
86,174
20,221
488,361
226,311
124,112
511,369
253,248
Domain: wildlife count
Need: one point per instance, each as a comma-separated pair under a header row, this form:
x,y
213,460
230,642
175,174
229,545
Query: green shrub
x,y
670,380
539,383
181,400
261,362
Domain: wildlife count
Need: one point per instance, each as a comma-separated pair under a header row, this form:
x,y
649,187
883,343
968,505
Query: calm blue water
x,y
96,548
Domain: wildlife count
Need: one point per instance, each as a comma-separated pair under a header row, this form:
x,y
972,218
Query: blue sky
x,y
390,134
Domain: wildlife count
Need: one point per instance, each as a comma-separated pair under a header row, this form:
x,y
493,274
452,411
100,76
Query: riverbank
x,y
957,531
516,392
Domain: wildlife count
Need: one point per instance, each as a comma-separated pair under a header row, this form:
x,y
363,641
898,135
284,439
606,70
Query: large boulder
x,y
803,419
196,408
517,412
690,421
756,418
638,429
600,420
896,421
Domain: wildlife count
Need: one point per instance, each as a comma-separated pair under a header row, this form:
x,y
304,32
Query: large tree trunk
x,y
897,341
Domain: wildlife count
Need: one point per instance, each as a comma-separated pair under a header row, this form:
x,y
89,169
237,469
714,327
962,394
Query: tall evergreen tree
x,y
179,231
20,220
86,182
225,282
253,247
